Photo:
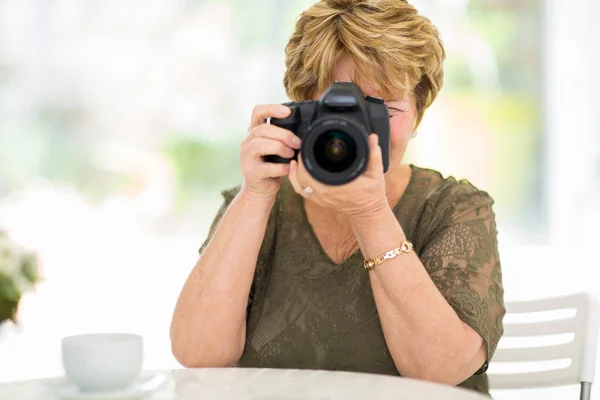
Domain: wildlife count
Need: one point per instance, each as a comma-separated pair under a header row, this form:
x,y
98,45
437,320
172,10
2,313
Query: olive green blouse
x,y
306,311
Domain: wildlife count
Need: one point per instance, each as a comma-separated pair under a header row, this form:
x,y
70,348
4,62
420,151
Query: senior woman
x,y
280,281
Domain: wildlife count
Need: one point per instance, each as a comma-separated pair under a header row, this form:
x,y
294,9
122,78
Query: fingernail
x,y
296,140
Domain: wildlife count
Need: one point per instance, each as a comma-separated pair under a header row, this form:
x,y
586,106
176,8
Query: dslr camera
x,y
335,131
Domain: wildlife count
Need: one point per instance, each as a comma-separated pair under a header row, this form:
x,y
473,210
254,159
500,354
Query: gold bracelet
x,y
405,247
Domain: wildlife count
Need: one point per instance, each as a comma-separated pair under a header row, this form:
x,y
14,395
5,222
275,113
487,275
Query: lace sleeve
x,y
462,259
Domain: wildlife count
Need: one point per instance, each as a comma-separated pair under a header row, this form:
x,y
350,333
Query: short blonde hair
x,y
390,44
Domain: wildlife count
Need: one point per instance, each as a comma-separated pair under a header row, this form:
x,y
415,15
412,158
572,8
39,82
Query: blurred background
x,y
120,123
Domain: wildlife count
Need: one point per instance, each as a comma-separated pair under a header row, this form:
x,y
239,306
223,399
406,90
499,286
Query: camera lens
x,y
335,151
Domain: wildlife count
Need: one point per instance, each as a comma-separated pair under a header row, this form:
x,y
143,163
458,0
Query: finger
x,y
375,166
261,147
274,132
270,170
305,177
293,177
264,111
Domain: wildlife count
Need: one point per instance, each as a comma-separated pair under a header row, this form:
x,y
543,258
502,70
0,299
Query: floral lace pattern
x,y
305,311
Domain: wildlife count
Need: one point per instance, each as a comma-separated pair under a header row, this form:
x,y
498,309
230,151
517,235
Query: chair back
x,y
577,354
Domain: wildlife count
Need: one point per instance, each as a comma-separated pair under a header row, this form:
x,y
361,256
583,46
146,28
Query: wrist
x,y
372,213
377,232
248,196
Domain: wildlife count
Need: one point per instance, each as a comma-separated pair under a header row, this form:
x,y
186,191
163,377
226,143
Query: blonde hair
x,y
393,47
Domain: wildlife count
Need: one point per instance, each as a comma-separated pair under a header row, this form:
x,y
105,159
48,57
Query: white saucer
x,y
144,385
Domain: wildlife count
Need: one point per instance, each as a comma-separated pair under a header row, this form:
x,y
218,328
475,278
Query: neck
x,y
396,182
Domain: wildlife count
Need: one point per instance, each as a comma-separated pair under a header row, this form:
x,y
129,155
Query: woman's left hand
x,y
363,195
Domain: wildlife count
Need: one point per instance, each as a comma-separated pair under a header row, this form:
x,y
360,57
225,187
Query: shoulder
x,y
442,192
446,201
455,212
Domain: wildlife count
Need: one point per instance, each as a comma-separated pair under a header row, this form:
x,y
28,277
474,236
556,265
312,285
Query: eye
x,y
394,111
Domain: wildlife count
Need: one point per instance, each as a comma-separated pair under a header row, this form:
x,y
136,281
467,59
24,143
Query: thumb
x,y
375,166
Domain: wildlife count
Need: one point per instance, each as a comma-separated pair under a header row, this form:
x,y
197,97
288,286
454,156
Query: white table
x,y
272,384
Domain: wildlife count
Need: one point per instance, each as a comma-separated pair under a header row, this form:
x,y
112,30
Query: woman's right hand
x,y
262,179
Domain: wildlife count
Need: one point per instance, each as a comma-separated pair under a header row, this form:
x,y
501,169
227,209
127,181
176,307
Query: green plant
x,y
19,273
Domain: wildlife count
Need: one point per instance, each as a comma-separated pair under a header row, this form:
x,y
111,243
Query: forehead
x,y
346,70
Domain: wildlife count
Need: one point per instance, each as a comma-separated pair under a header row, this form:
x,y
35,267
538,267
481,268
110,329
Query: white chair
x,y
581,351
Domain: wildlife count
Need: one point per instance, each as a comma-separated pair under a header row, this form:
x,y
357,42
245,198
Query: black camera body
x,y
335,131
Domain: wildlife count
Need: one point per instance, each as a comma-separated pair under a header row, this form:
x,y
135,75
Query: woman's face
x,y
402,114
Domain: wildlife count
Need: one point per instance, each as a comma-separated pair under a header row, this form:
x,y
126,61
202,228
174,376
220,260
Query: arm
x,y
423,332
441,312
208,328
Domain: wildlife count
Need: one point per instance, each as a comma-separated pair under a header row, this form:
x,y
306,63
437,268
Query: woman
x,y
280,280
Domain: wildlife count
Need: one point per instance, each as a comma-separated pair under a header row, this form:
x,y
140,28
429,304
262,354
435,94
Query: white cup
x,y
102,361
